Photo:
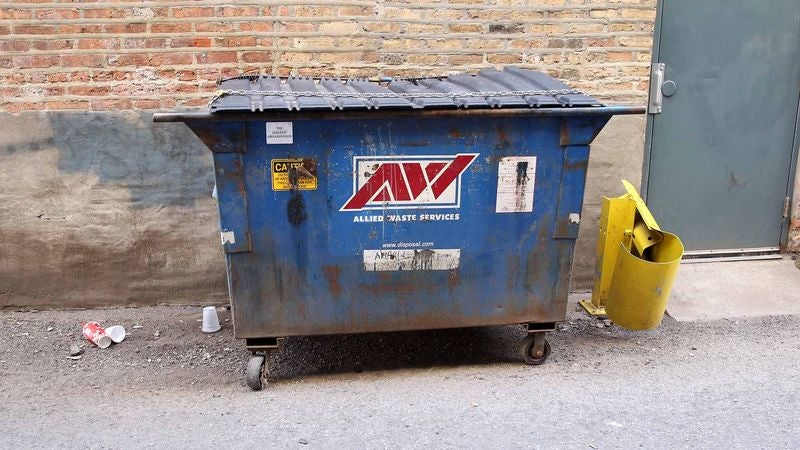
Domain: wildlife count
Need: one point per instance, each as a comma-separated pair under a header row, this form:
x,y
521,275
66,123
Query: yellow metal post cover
x,y
636,264
639,290
616,215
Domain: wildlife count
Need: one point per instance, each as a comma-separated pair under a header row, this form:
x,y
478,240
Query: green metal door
x,y
722,122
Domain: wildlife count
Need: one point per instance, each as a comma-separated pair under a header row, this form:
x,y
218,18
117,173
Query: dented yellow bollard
x,y
636,264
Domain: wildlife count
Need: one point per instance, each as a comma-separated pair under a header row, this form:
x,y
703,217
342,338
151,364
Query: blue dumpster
x,y
352,206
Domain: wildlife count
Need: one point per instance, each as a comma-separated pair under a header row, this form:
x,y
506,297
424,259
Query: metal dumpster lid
x,y
512,87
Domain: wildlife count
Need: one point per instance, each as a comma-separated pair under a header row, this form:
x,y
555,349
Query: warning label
x,y
299,171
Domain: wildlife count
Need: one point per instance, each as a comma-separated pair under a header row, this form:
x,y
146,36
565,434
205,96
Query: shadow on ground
x,y
322,355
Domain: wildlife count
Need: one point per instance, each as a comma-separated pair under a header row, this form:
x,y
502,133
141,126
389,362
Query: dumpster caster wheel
x,y
257,372
535,349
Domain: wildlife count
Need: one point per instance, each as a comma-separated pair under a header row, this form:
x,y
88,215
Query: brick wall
x,y
101,55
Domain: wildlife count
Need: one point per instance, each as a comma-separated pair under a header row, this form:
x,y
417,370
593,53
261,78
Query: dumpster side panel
x,y
410,224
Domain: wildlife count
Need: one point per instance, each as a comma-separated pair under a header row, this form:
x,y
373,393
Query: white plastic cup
x,y
116,333
210,320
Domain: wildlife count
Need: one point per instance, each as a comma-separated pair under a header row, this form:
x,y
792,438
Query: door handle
x,y
659,88
656,97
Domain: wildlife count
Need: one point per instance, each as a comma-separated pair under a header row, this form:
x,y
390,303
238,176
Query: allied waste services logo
x,y
396,182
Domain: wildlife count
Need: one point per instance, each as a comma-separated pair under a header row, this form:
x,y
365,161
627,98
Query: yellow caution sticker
x,y
301,171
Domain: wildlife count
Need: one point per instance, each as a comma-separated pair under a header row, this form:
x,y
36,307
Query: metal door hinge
x,y
786,203
656,96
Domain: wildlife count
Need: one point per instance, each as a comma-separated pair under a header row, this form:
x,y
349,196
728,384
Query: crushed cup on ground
x,y
96,334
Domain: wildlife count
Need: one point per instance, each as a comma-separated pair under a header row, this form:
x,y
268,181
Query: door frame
x,y
648,144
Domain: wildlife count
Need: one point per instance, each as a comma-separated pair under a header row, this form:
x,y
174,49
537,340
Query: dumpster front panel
x,y
393,224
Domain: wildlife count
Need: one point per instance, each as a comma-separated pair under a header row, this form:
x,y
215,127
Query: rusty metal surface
x,y
228,138
232,197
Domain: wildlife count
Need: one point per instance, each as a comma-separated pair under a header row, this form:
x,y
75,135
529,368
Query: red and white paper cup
x,y
96,334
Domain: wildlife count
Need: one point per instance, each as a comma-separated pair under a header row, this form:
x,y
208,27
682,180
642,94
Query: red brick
x,y
23,106
5,30
80,76
230,72
89,90
37,61
103,13
162,59
35,78
143,43
180,88
79,29
182,27
165,73
6,92
14,14
54,91
212,85
146,104
293,27
102,75
14,46
236,11
53,44
194,42
217,57
214,27
195,102
34,29
236,42
83,60
129,59
192,11
465,59
257,57
208,73
256,26
186,75
350,11
59,77
57,14
93,44
125,28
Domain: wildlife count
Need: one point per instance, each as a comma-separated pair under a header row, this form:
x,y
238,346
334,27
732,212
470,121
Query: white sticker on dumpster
x,y
411,259
280,133
516,176
227,237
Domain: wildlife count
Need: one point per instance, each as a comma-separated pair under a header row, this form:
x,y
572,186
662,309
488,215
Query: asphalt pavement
x,y
730,383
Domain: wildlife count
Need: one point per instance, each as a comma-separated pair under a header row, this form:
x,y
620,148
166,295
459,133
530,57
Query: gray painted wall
x,y
111,209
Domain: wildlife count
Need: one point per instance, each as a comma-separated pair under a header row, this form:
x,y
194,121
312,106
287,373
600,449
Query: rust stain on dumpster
x,y
332,274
